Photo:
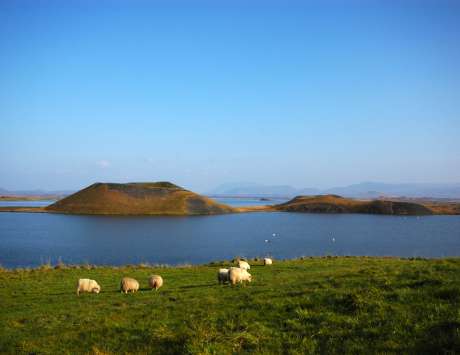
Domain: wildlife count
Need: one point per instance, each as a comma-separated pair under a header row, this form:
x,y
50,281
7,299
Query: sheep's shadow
x,y
148,289
143,289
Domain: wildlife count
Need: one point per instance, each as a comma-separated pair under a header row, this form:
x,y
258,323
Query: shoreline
x,y
23,209
246,209
30,197
256,261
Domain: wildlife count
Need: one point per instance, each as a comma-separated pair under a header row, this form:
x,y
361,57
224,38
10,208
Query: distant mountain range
x,y
361,190
241,189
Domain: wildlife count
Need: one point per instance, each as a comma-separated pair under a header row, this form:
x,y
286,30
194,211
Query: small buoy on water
x,y
274,234
266,240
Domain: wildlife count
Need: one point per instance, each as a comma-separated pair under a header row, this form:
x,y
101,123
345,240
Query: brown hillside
x,y
338,204
160,198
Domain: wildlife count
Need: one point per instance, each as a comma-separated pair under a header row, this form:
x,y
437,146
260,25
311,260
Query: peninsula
x,y
338,204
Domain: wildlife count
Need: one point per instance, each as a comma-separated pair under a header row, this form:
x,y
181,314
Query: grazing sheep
x,y
268,261
87,285
128,284
155,282
223,276
243,265
237,275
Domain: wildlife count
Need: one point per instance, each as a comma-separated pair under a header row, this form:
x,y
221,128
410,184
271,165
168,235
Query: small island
x,y
150,198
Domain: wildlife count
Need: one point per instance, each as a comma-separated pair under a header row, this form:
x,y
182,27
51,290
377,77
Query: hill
x,y
338,204
344,305
158,198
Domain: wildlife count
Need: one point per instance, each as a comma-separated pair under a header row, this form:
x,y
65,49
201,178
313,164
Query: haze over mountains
x,y
361,190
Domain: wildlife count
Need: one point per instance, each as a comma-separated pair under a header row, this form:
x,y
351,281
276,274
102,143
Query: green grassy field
x,y
316,305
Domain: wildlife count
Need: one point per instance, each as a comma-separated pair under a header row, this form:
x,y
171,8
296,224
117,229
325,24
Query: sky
x,y
200,93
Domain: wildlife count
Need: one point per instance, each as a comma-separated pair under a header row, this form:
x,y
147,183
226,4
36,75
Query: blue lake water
x,y
242,202
40,203
29,239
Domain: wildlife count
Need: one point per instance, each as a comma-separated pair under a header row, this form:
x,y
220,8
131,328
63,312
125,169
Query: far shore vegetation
x,y
30,197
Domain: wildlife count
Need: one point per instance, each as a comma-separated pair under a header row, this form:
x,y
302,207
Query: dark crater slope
x,y
338,204
157,198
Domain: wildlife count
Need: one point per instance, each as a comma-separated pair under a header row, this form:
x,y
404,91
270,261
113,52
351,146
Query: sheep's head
x,y
249,277
96,289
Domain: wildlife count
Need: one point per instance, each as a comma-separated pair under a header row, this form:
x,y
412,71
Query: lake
x,y
38,203
243,202
29,239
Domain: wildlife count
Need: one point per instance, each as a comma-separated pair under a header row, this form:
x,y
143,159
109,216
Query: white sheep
x,y
223,276
155,282
128,284
243,265
87,285
237,275
268,261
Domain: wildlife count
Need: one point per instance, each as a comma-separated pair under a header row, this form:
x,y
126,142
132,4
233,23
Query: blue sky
x,y
200,93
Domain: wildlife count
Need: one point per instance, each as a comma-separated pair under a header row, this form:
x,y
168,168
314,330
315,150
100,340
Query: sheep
x,y
155,282
243,265
222,276
237,275
128,284
87,285
268,261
